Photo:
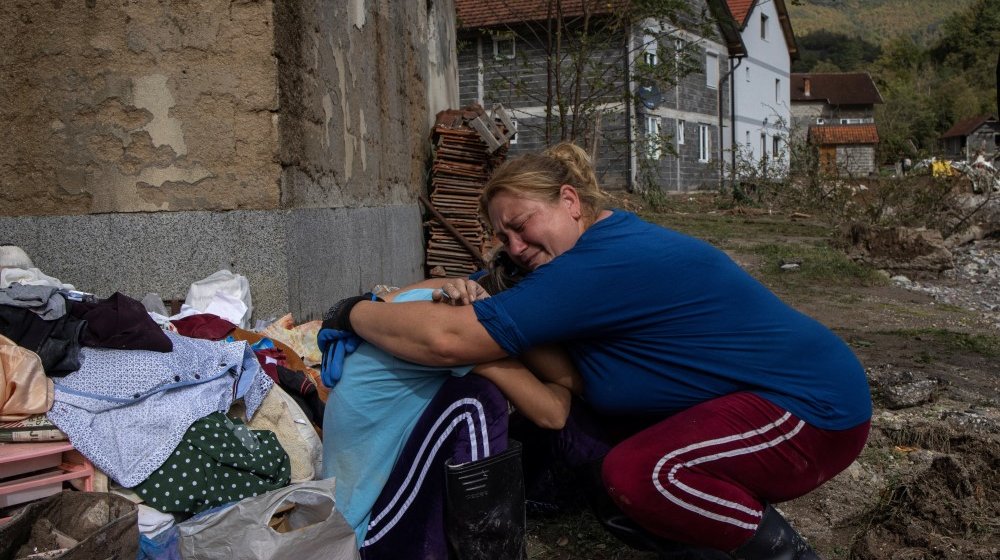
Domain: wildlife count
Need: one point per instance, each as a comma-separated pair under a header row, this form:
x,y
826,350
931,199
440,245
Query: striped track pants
x,y
466,421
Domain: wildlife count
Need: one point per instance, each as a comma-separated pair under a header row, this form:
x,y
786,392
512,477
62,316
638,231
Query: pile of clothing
x,y
181,413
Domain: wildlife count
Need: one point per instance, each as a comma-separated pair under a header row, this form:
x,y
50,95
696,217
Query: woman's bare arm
x,y
543,393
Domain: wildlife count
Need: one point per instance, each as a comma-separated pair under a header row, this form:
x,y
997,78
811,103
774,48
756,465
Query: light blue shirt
x,y
369,416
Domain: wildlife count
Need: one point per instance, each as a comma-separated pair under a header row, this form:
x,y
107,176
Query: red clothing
x,y
700,476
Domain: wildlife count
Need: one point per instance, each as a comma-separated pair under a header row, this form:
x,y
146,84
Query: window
x,y
503,46
763,27
513,138
653,137
763,145
680,133
712,70
856,121
775,145
704,143
747,72
820,120
649,47
777,90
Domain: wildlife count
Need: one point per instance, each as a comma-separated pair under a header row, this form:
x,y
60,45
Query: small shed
x,y
847,149
972,137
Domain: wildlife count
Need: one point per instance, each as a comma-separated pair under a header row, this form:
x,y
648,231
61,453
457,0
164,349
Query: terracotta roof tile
x,y
843,134
968,126
487,13
740,10
848,88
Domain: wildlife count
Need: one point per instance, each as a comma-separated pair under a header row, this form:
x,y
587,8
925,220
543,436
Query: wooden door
x,y
828,160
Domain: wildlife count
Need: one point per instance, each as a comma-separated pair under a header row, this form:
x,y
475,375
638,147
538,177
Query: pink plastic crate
x,y
30,471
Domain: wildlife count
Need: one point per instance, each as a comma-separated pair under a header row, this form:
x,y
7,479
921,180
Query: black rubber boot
x,y
630,532
775,539
485,509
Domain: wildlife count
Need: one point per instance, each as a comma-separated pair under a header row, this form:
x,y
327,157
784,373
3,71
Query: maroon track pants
x,y
702,476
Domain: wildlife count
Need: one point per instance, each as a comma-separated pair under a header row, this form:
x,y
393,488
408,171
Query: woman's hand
x,y
459,291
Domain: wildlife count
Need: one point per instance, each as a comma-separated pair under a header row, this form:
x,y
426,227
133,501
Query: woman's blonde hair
x,y
541,176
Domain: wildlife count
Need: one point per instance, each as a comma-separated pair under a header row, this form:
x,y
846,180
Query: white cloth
x,y
224,294
30,276
153,522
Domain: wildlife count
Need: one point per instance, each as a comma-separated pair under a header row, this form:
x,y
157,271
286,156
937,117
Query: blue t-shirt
x,y
657,321
369,416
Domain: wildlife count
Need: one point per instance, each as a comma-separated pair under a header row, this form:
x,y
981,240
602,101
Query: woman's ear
x,y
571,199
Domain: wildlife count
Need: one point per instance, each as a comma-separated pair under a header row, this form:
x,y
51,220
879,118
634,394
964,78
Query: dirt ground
x,y
928,484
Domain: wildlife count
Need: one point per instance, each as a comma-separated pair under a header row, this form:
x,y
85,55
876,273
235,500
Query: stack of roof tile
x,y
462,164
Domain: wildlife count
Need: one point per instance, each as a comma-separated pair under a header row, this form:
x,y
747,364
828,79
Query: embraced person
x,y
746,401
420,453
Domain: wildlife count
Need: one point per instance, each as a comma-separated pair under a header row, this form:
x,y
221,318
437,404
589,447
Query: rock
x,y
904,389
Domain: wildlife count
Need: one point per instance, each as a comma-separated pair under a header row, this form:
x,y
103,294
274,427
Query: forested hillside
x,y
875,21
934,61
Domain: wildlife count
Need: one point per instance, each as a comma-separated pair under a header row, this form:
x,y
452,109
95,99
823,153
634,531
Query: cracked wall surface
x,y
137,107
287,140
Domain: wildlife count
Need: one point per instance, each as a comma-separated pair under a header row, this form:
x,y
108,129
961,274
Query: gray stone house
x,y
835,112
642,132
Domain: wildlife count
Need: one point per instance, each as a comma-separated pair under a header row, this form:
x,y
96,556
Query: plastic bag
x,y
298,521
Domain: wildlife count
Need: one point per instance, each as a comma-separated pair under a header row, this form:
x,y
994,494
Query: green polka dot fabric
x,y
213,466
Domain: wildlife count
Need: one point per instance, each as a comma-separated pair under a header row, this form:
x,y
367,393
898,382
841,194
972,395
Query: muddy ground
x,y
928,483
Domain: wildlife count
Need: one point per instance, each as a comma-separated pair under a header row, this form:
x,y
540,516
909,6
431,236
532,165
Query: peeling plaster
x,y
346,114
151,93
328,116
357,11
156,176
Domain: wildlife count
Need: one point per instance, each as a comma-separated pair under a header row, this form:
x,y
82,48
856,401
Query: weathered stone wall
x,y
153,143
137,107
856,160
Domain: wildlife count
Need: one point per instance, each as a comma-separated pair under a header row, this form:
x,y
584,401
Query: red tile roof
x,y
968,126
843,134
740,10
487,13
847,88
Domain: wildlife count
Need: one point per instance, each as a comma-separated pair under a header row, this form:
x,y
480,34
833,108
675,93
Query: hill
x,y
876,21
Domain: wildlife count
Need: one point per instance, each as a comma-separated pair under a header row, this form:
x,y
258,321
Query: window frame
x,y
653,127
711,70
764,26
704,144
499,38
650,46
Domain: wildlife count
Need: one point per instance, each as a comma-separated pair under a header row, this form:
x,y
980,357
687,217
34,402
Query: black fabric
x,y
120,322
338,317
56,342
302,388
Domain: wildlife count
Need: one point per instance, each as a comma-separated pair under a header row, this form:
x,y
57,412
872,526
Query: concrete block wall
x,y
159,142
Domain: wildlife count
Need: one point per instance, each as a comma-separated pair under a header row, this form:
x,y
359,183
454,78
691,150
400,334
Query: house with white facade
x,y
760,82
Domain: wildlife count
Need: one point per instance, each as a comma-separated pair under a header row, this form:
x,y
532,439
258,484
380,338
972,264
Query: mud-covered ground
x,y
928,483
